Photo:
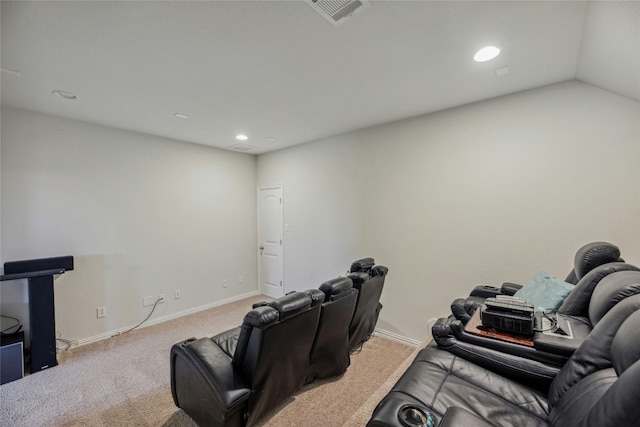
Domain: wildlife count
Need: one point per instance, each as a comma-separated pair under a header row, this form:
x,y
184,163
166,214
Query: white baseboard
x,y
84,341
150,322
405,340
396,337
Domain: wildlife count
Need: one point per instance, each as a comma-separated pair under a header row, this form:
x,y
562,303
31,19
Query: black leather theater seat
x,y
587,258
540,363
598,386
330,351
575,304
369,279
235,377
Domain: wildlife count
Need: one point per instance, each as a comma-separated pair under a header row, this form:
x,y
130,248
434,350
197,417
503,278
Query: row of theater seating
x,y
234,378
591,377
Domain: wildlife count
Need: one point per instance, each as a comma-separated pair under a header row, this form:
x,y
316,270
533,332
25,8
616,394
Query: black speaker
x,y
41,264
11,357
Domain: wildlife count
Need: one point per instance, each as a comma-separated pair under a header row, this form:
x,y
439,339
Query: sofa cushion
x,y
594,353
577,303
440,380
437,380
228,340
545,292
610,291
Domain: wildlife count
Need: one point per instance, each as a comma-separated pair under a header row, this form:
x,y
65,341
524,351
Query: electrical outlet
x,y
101,312
163,298
240,280
177,294
225,283
147,301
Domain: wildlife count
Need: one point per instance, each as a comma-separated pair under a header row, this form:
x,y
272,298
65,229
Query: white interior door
x,y
271,245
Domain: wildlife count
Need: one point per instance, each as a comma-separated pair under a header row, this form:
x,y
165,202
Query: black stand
x,y
42,319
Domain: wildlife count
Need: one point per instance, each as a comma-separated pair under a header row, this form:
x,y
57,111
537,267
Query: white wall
x,y
141,215
479,194
1,260
323,201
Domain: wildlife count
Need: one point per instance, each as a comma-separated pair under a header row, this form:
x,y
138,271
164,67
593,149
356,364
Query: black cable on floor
x,y
145,319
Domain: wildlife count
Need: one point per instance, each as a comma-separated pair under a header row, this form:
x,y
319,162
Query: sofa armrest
x,y
456,417
485,291
566,339
563,346
463,308
205,384
509,288
511,360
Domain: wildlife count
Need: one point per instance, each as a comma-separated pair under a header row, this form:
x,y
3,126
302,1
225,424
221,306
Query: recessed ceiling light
x,y
486,54
64,94
181,116
242,137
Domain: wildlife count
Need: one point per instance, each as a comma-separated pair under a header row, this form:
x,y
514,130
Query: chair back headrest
x,y
592,255
379,271
363,264
610,291
316,295
291,304
358,278
336,288
261,317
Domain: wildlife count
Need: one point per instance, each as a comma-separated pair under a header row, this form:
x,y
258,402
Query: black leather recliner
x,y
330,351
369,279
538,365
235,377
598,386
575,304
586,259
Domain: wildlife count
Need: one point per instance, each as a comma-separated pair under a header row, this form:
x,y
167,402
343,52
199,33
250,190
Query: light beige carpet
x,y
124,381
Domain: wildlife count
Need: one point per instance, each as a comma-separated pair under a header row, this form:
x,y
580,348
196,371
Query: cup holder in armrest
x,y
412,416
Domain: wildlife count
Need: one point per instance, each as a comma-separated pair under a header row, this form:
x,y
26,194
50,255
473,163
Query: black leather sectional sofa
x,y
460,379
234,378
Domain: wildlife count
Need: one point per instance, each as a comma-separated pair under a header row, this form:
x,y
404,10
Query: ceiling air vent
x,y
337,11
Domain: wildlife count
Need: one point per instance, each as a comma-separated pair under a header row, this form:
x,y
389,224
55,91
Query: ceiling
x,y
280,73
